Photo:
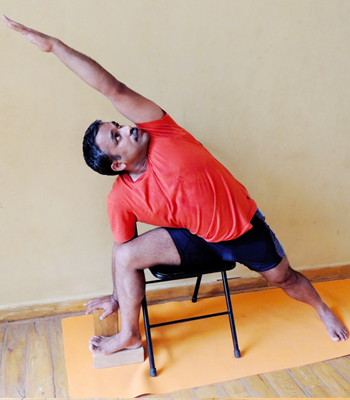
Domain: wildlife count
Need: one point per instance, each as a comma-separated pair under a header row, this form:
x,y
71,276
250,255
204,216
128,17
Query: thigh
x,y
258,248
279,274
194,251
149,249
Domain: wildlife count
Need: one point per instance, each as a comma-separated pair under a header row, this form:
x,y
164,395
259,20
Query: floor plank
x,y
259,386
235,389
2,337
309,381
338,386
210,391
40,382
13,365
342,365
58,358
285,385
182,394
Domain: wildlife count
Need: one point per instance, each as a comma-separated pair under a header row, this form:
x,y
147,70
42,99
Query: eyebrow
x,y
112,133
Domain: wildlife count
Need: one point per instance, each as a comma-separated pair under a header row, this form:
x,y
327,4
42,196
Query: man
x,y
167,178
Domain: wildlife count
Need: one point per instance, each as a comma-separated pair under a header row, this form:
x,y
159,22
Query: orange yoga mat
x,y
274,332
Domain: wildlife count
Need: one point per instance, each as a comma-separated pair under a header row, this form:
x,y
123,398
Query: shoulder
x,y
165,122
118,189
165,127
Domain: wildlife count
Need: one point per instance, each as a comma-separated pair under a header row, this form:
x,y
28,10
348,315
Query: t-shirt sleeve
x,y
165,126
122,223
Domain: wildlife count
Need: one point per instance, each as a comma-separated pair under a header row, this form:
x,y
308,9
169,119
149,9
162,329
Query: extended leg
x,y
299,288
131,258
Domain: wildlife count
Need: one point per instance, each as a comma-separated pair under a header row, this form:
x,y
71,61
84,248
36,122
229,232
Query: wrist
x,y
114,297
56,46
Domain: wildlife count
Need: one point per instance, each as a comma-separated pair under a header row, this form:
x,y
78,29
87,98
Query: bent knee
x,y
288,278
282,275
124,256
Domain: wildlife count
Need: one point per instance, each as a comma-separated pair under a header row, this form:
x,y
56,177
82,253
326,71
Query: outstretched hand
x,y
42,41
106,303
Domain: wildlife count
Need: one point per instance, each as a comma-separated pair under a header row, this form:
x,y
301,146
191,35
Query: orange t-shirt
x,y
184,186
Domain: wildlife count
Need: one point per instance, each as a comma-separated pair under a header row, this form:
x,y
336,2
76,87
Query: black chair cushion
x,y
171,272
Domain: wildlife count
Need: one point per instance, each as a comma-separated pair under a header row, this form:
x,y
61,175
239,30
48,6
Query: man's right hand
x,y
107,303
42,41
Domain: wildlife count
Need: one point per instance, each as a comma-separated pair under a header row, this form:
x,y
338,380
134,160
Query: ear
x,y
118,166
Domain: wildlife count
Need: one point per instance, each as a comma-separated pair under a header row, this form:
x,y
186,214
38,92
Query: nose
x,y
125,129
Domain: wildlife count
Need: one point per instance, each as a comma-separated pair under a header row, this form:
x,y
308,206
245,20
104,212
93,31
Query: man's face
x,y
129,144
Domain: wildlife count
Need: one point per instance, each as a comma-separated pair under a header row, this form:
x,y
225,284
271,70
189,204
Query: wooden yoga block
x,y
106,327
109,327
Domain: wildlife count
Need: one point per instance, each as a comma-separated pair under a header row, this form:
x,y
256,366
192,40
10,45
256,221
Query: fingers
x,y
92,302
6,20
92,305
15,25
105,314
31,34
43,42
105,303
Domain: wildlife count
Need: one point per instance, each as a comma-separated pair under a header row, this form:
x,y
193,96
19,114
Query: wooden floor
x,y
32,366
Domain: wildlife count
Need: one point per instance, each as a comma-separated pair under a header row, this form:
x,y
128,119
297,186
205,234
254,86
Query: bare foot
x,y
335,328
108,345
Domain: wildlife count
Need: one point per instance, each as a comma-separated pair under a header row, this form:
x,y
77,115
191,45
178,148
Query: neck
x,y
134,176
137,172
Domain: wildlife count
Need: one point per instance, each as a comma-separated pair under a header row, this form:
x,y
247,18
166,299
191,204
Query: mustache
x,y
134,132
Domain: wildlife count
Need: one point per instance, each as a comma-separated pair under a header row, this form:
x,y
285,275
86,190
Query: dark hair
x,y
95,158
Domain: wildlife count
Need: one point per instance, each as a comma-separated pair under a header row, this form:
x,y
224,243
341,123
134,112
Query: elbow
x,y
115,89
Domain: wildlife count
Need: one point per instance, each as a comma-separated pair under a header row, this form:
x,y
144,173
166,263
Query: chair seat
x,y
172,272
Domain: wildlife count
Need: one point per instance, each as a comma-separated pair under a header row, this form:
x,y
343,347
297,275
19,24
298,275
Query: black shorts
x,y
258,248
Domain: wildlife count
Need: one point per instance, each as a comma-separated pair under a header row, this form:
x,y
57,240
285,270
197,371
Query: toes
x,y
95,344
339,336
335,337
96,340
344,335
92,347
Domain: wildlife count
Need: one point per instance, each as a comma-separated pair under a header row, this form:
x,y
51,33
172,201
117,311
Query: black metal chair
x,y
169,273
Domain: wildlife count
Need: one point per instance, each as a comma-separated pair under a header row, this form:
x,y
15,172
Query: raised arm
x,y
129,103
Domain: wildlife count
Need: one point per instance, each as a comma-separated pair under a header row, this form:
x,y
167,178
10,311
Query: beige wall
x,y
264,84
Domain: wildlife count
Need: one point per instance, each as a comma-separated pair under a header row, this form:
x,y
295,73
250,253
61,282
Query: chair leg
x,y
153,370
230,314
196,289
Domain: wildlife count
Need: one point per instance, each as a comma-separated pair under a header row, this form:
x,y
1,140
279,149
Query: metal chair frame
x,y
169,273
